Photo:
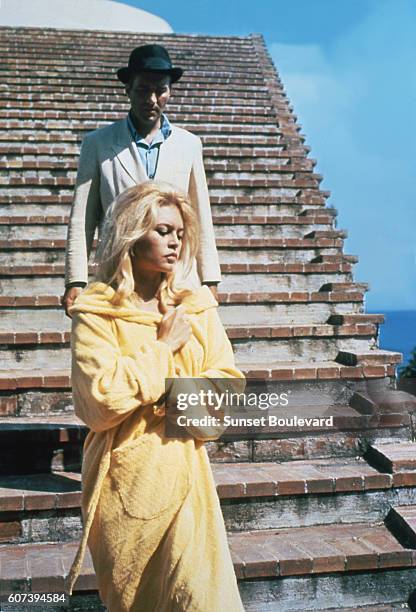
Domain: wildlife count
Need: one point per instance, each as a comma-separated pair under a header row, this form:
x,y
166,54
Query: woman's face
x,y
159,249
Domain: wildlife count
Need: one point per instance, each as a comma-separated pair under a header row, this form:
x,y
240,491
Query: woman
x,y
151,513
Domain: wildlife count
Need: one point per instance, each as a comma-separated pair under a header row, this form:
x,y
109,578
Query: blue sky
x,y
348,68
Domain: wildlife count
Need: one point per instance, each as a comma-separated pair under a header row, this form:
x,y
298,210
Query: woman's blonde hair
x,y
132,214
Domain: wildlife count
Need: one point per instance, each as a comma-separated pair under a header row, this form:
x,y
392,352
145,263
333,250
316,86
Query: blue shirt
x,y
149,153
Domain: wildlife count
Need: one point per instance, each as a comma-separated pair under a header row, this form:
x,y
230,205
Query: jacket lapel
x,y
169,158
126,152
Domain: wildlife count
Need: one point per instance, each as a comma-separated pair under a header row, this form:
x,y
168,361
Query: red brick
x,y
56,381
351,372
281,332
325,557
404,479
68,500
8,406
378,481
39,501
282,374
325,373
10,530
305,373
373,371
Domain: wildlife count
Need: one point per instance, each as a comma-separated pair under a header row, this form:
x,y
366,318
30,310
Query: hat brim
x,y
125,73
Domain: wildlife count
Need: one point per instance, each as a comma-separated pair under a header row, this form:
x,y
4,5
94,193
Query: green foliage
x,y
409,370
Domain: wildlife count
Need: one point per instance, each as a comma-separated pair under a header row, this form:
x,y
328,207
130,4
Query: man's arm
x,y
85,215
84,218
207,258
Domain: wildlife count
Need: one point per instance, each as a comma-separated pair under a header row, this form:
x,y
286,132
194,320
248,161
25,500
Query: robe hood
x,y
96,299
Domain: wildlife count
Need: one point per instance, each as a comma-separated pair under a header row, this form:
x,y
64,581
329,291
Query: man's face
x,y
148,92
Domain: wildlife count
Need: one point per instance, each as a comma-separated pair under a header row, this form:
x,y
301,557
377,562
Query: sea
x,y
398,333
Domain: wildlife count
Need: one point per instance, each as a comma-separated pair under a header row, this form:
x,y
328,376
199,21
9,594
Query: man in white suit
x,y
142,146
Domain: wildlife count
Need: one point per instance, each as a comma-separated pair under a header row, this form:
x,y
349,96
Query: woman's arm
x,y
107,385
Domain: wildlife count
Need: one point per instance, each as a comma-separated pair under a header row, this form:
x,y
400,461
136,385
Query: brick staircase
x,y
317,518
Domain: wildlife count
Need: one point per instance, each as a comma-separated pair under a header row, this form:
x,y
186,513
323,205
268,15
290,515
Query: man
x,y
142,146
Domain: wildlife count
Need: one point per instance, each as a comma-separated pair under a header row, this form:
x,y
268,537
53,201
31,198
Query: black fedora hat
x,y
149,58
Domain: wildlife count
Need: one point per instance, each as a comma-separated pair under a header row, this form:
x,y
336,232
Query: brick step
x,y
234,332
344,286
283,308
236,182
286,371
42,138
196,124
297,342
369,358
200,52
110,43
217,70
56,212
88,111
22,155
300,223
225,82
46,507
227,298
248,236
399,605
331,259
46,314
218,134
197,97
304,203
320,549
270,566
56,167
47,120
112,91
57,334
402,522
341,561
288,246
228,256
105,89
232,174
218,67
258,253
351,318
37,349
43,312
393,457
58,206
337,264
102,104
53,437
193,57
253,160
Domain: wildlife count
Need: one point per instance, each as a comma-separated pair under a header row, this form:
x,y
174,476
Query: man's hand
x,y
69,297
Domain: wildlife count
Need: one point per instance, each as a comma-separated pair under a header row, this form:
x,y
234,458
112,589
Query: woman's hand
x,y
175,329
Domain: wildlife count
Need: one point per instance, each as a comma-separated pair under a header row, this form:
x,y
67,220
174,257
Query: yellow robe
x,y
151,514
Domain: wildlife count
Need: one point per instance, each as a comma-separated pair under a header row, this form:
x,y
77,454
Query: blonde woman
x,y
151,514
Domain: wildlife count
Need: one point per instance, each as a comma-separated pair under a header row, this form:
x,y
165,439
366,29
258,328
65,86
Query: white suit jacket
x,y
108,164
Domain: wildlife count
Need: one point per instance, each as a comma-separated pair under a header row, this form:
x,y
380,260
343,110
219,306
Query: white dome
x,y
79,15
